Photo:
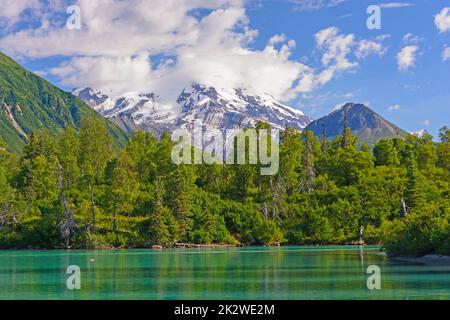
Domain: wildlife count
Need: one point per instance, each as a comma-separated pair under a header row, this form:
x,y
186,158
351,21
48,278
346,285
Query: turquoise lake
x,y
232,273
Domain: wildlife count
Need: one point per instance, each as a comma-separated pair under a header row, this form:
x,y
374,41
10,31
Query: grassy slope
x,y
38,105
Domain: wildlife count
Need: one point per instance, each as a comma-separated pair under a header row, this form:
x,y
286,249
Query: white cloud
x,y
442,20
12,9
111,74
162,46
393,5
409,38
278,38
425,123
367,47
310,5
348,95
406,57
217,58
446,54
335,49
122,28
394,107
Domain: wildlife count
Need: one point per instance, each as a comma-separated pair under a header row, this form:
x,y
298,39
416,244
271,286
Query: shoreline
x,y
433,259
190,246
429,259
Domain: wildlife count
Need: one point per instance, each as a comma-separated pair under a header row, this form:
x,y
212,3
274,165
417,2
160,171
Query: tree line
x,y
77,190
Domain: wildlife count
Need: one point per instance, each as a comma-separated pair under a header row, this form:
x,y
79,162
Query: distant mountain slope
x,y
366,124
29,104
216,108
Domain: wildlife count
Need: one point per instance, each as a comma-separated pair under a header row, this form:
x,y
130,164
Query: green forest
x,y
79,190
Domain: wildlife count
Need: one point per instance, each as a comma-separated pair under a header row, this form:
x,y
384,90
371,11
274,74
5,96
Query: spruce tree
x,y
182,194
159,232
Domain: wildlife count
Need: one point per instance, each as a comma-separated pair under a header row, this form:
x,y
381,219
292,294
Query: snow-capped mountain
x,y
90,96
131,111
216,108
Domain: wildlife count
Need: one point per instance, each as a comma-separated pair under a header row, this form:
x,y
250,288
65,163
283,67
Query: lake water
x,y
234,273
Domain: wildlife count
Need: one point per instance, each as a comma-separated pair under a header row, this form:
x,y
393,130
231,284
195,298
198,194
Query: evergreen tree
x,y
443,149
345,197
309,180
291,157
182,193
94,150
385,153
68,158
159,232
123,186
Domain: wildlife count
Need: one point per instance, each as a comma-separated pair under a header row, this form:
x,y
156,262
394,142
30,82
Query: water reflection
x,y
236,273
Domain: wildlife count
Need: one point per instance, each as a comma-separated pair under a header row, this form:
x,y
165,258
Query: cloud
x,y
348,95
394,107
310,5
406,57
442,20
335,49
13,9
122,28
218,58
367,47
425,122
446,54
393,5
164,46
112,74
409,38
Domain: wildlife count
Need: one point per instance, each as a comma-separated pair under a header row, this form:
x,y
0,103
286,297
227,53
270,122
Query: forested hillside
x,y
74,190
29,104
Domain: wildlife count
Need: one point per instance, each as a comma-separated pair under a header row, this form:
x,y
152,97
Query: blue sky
x,y
162,47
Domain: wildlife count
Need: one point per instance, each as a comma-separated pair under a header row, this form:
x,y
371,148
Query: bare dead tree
x,y
8,212
361,230
324,139
308,158
115,215
265,210
404,208
67,226
345,134
278,206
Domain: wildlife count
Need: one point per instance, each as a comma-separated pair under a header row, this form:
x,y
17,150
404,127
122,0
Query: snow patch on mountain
x,y
215,108
420,133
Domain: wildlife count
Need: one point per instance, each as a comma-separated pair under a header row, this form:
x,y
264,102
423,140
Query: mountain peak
x,y
365,123
351,106
90,96
219,108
